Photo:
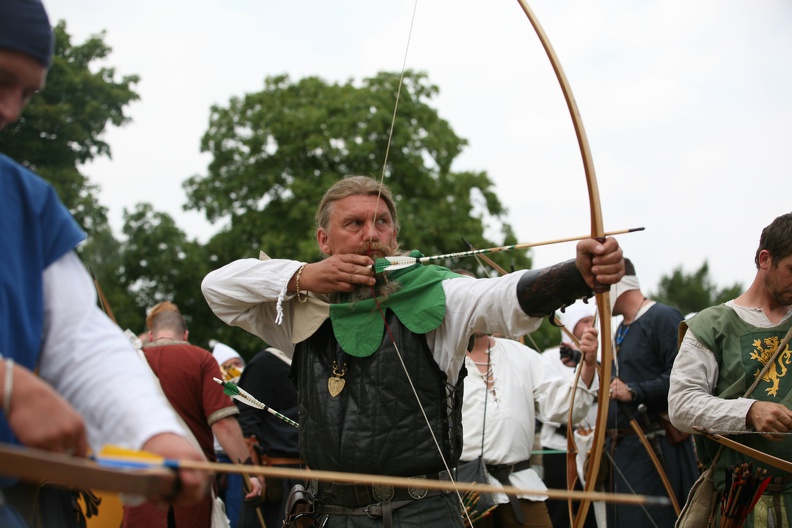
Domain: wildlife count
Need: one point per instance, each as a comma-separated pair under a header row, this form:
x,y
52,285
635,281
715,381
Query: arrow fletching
x,y
233,390
393,263
239,394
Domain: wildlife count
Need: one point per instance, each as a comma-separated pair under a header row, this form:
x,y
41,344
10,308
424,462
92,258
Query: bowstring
x,y
395,109
627,483
379,308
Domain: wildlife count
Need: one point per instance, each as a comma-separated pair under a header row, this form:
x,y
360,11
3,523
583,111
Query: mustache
x,y
367,247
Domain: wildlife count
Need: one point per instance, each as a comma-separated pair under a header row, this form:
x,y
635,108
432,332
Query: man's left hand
x,y
620,391
589,346
603,260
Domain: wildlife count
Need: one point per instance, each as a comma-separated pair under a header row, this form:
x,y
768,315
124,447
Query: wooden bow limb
x,y
246,486
407,482
597,231
776,462
625,409
486,259
35,465
102,299
572,450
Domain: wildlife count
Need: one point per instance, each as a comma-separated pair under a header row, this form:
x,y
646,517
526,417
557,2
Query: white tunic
x,y
551,359
523,390
246,293
87,359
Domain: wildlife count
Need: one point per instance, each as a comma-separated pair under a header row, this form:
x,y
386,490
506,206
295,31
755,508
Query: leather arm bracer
x,y
542,292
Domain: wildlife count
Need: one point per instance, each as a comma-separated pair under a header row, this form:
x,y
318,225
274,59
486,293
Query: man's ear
x,y
765,259
186,335
322,239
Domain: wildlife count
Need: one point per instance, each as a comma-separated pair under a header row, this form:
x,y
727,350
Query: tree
x,y
693,292
276,151
160,263
62,126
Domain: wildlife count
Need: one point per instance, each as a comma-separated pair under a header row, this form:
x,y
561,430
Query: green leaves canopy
x,y
275,152
62,126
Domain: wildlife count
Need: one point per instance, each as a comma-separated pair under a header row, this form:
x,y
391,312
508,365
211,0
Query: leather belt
x,y
777,484
375,511
562,430
618,434
358,496
508,469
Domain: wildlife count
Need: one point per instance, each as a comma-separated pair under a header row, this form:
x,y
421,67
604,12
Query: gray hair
x,y
351,186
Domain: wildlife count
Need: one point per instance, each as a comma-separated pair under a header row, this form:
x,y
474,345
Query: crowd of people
x,y
416,372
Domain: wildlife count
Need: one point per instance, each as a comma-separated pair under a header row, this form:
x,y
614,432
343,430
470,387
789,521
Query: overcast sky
x,y
687,105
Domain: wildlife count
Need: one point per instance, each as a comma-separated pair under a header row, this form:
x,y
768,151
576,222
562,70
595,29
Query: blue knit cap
x,y
25,27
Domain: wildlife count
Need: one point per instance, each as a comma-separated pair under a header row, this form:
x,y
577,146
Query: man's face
x,y
234,363
359,224
20,77
582,325
777,278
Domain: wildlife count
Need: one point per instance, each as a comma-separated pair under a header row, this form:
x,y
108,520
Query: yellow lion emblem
x,y
763,351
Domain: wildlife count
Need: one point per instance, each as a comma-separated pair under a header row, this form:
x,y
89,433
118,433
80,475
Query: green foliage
x,y
275,152
693,292
62,126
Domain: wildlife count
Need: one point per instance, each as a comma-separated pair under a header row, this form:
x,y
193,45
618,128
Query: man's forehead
x,y
359,205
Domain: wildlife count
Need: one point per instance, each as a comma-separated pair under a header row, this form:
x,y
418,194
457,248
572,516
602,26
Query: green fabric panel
x,y
741,349
419,304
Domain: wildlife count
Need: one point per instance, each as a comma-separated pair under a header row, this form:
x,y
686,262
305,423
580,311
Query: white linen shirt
x,y
246,293
551,358
87,359
524,390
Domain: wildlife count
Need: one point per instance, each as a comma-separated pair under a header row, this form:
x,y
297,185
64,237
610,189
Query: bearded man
x,y
378,360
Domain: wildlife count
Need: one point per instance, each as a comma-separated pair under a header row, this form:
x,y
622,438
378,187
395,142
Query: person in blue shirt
x,y
59,351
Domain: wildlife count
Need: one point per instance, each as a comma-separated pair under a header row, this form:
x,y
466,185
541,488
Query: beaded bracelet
x,y
8,386
300,297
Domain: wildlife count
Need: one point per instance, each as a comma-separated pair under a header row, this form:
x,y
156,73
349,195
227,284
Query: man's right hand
x,y
41,418
194,483
337,273
769,417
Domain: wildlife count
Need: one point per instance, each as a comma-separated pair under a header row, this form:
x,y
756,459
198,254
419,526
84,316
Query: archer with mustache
x,y
379,380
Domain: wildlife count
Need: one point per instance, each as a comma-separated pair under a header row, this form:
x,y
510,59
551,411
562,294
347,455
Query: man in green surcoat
x,y
723,350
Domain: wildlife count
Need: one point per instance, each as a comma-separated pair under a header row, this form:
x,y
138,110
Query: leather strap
x,y
502,473
281,461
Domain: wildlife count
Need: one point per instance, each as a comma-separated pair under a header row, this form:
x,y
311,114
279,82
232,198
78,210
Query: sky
x,y
686,106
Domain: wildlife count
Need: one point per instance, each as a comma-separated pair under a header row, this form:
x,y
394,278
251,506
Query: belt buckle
x,y
371,515
416,491
382,492
445,476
